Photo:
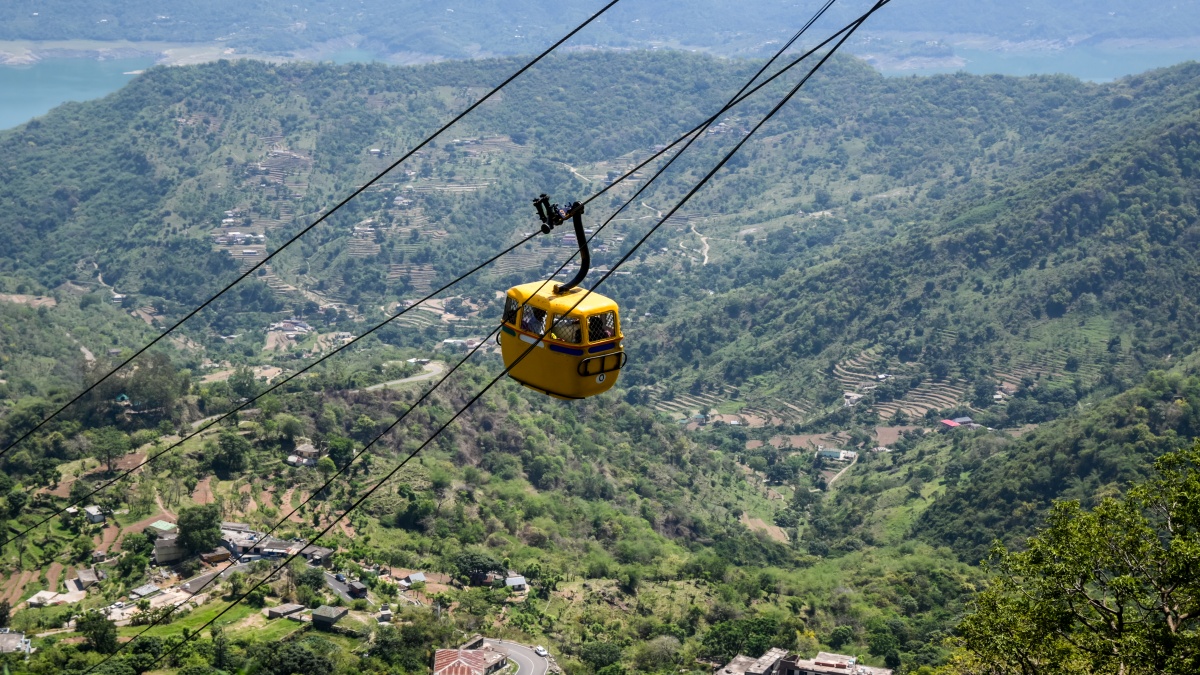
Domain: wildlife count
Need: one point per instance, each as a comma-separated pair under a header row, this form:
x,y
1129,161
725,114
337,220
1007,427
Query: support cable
x,y
358,502
318,221
690,137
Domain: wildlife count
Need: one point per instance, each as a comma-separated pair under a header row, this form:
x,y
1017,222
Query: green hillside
x,y
889,253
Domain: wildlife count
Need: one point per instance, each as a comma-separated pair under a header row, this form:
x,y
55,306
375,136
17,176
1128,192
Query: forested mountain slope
x,y
1020,250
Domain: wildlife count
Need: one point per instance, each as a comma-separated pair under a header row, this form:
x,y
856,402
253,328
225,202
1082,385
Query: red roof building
x,y
467,661
950,424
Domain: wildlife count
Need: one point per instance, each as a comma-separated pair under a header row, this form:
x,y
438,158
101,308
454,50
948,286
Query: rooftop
x,y
465,661
329,613
13,642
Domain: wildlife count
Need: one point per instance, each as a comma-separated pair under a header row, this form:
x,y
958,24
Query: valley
x,y
774,469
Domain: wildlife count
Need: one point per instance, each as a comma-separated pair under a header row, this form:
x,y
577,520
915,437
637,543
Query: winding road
x,y
704,241
528,663
432,370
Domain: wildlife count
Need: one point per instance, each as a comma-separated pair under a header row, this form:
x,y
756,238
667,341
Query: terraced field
x,y
927,396
773,411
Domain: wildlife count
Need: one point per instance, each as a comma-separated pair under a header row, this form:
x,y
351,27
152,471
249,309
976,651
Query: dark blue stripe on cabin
x,y
508,330
603,348
565,350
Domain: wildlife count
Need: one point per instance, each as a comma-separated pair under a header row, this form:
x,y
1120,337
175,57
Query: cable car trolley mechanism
x,y
578,350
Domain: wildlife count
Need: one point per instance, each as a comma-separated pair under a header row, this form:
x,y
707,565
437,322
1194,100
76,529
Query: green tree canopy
x,y
200,528
1113,590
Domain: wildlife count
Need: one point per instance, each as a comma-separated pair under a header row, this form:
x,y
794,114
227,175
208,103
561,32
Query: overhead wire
x,y
250,401
358,502
318,221
690,136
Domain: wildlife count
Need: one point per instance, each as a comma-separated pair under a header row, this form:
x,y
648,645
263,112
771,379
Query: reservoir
x,y
1087,63
29,91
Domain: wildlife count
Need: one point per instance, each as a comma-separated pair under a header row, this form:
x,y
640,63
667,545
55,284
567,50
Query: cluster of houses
x,y
836,454
240,540
237,238
778,662
292,327
959,422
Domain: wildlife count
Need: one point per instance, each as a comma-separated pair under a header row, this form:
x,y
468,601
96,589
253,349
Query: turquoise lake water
x,y
29,91
1086,63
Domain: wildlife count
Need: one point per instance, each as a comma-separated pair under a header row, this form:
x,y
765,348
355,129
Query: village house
x,y
88,578
836,454
94,514
167,550
748,665
12,643
324,617
516,583
825,663
468,661
317,556
159,528
283,610
146,591
306,450
414,578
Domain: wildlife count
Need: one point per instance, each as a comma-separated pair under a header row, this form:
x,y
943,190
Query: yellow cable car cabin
x,y
572,336
580,353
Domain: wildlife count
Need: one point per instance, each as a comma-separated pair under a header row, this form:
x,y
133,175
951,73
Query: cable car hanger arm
x,y
553,215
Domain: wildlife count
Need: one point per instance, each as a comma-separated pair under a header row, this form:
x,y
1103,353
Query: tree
x,y
600,654
289,427
1114,590
341,450
311,577
98,631
200,528
5,610
290,658
475,565
108,444
242,382
230,455
326,466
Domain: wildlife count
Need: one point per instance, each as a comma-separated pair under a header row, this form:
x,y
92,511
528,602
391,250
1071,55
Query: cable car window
x,y
533,320
602,326
510,310
566,329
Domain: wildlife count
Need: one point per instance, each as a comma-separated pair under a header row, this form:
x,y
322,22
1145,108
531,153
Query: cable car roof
x,y
561,304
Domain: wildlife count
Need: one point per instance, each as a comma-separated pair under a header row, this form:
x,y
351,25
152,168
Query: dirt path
x,y
286,505
251,505
108,537
53,574
579,175
14,586
162,507
432,370
829,483
203,492
759,525
347,528
704,241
